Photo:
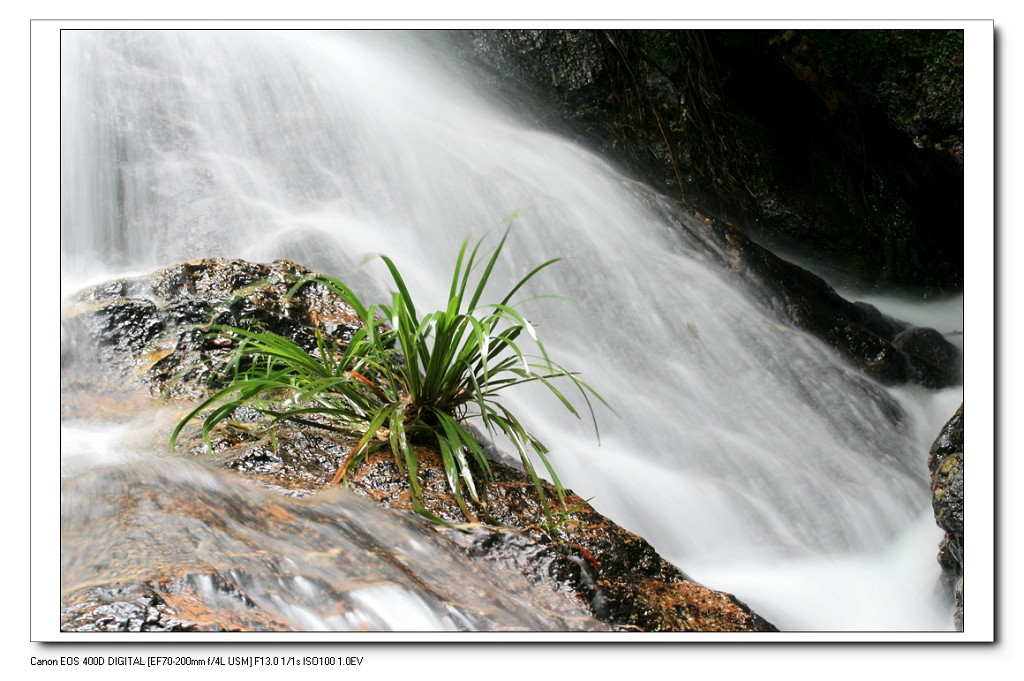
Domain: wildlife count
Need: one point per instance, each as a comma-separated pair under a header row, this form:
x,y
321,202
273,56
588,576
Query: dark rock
x,y
936,361
538,562
128,325
152,330
873,320
159,605
857,331
844,145
946,465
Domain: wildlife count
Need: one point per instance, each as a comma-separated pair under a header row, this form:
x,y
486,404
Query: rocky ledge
x,y
144,336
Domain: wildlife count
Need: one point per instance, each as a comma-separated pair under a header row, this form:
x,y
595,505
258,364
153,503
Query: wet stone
x,y
935,360
152,331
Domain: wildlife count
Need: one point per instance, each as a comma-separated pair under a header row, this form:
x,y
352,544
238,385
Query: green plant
x,y
403,379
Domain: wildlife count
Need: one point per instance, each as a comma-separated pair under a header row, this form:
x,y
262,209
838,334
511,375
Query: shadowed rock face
x,y
844,145
180,550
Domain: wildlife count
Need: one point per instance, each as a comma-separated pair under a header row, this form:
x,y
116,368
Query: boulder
x,y
936,362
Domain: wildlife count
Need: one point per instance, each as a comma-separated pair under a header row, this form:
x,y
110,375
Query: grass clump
x,y
405,379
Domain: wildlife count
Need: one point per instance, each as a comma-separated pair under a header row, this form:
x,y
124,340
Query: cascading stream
x,y
743,450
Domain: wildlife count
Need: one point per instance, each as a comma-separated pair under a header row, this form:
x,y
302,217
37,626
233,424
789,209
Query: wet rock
x,y
613,575
616,573
935,360
294,460
846,146
879,346
946,464
150,331
175,546
537,561
155,539
129,325
872,319
159,605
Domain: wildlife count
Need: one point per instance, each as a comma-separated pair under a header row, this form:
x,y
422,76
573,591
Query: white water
x,y
743,450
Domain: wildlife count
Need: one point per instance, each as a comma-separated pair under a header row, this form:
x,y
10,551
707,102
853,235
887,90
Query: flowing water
x,y
743,450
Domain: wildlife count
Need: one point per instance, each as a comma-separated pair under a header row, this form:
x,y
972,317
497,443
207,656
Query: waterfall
x,y
744,450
